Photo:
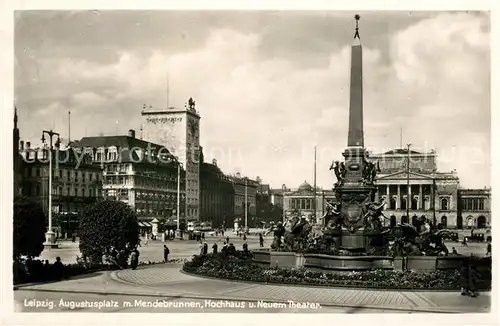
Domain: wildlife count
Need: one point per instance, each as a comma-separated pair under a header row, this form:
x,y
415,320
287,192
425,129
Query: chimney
x,y
21,145
28,145
131,133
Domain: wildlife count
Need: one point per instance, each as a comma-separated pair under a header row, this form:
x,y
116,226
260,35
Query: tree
x,y
108,228
29,228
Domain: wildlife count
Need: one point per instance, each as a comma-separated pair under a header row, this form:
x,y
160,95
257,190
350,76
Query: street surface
x,y
182,249
166,281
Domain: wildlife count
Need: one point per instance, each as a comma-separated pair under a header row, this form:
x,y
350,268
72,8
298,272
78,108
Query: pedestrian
x,y
472,288
58,269
244,237
205,248
73,238
231,249
134,259
203,236
166,251
214,248
454,251
464,242
261,240
488,249
227,239
464,276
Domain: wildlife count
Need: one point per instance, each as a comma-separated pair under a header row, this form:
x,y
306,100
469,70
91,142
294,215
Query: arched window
x,y
444,204
404,219
414,202
403,203
392,204
393,221
444,222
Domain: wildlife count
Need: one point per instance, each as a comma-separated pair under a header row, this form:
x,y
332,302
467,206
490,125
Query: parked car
x,y
453,236
475,237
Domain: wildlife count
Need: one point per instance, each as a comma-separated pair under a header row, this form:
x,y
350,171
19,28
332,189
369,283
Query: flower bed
x,y
235,268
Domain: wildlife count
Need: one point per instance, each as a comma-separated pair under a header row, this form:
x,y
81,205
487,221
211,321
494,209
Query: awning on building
x,y
141,224
147,224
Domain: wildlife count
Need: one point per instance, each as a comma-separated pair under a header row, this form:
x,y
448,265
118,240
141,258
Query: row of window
x,y
63,174
473,204
64,191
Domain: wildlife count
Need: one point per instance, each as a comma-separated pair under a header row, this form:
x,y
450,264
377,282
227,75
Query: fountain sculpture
x,y
353,224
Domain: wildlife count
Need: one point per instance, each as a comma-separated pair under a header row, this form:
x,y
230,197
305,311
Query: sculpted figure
x,y
372,216
340,171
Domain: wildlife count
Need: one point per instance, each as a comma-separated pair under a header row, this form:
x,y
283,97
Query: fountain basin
x,y
355,263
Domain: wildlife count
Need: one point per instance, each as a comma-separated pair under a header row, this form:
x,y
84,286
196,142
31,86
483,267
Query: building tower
x,y
179,131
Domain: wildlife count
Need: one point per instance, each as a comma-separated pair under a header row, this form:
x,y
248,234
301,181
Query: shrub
x,y
29,228
108,229
242,269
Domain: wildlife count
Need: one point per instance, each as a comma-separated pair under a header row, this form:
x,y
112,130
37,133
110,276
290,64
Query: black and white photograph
x,y
251,161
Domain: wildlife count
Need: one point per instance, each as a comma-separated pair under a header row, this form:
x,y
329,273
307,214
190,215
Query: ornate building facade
x,y
431,194
75,184
142,174
474,208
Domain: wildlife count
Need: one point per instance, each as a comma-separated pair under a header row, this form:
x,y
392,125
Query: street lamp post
x,y
50,241
408,199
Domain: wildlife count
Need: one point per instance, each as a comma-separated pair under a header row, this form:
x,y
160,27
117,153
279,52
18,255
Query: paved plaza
x,y
167,283
137,290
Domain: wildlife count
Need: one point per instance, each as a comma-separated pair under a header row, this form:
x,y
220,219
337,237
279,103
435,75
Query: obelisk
x,y
354,192
355,135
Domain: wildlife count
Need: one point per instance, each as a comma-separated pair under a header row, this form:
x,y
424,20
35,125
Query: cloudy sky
x,y
269,85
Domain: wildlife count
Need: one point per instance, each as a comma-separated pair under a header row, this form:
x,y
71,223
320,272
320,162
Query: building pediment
x,y
404,175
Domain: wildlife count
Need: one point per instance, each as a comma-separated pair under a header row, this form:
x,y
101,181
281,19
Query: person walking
x,y
205,248
227,239
58,269
214,248
488,249
261,240
166,251
244,237
134,259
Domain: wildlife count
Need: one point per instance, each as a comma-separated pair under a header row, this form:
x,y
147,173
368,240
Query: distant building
x,y
432,194
474,208
179,131
139,173
242,185
301,201
18,162
217,196
75,184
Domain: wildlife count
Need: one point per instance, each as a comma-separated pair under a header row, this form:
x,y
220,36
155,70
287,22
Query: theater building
x,y
431,194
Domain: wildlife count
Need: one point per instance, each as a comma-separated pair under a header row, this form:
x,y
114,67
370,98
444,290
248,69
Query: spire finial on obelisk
x,y
356,34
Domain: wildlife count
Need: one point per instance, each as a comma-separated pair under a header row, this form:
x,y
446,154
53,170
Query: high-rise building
x,y
179,131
